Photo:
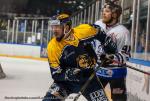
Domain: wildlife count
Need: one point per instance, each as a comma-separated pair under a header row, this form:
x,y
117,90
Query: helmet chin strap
x,y
66,34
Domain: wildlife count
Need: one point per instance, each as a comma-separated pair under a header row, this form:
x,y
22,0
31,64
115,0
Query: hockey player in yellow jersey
x,y
72,59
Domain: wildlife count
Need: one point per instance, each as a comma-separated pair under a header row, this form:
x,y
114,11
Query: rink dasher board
x,y
138,84
20,50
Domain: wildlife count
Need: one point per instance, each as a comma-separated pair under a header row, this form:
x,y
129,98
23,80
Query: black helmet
x,y
61,19
113,6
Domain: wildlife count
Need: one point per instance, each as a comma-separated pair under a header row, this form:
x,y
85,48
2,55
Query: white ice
x,y
27,80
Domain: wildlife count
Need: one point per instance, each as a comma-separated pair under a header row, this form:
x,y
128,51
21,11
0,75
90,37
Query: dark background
x,y
41,7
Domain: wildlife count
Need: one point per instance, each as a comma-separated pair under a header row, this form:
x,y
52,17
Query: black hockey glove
x,y
72,74
106,60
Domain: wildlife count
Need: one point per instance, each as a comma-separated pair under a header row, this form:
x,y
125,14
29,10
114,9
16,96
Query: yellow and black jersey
x,y
76,50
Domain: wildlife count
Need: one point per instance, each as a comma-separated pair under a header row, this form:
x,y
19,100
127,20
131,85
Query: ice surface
x,y
26,80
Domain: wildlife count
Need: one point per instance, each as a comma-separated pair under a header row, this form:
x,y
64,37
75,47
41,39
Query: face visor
x,y
54,22
57,24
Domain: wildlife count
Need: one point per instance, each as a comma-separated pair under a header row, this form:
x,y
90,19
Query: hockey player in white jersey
x,y
115,76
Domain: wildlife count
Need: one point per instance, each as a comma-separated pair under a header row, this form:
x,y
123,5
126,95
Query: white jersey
x,y
121,36
117,32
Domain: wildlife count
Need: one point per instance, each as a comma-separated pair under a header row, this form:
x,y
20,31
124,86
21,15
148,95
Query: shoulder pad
x,y
84,31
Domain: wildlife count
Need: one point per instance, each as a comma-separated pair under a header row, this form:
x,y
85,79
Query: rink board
x,y
20,50
138,84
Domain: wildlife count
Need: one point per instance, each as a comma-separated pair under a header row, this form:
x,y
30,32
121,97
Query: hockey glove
x,y
71,74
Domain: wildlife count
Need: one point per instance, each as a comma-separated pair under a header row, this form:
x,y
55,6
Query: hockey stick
x,y
131,67
87,83
84,87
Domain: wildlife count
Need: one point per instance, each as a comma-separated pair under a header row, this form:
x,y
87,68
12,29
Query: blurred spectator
x,y
22,27
141,43
3,24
